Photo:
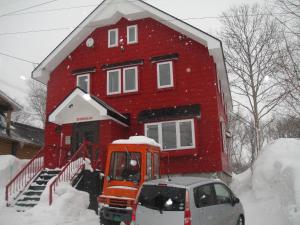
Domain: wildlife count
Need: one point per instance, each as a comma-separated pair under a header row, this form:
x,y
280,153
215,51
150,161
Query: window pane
x,y
156,166
186,138
113,81
203,196
169,135
149,165
131,34
162,198
152,132
222,194
130,82
125,166
82,82
164,74
112,37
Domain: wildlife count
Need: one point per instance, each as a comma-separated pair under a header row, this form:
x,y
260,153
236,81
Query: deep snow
x,y
270,196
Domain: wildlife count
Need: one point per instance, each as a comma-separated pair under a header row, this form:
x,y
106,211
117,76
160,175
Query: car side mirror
x,y
235,200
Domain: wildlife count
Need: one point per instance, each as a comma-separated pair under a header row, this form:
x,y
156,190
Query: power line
x,y
18,58
52,10
94,26
24,9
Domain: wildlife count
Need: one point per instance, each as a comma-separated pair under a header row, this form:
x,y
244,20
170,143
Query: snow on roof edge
x,y
138,140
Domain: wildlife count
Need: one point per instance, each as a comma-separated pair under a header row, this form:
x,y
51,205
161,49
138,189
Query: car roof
x,y
183,181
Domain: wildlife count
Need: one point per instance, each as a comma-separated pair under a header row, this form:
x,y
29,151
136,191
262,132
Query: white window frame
x,y
178,144
136,79
135,36
171,75
107,82
88,83
116,39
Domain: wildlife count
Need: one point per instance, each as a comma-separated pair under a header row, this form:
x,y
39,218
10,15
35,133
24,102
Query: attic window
x,y
132,36
113,38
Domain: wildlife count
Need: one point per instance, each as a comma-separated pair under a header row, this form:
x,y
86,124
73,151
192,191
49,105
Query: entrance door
x,y
84,131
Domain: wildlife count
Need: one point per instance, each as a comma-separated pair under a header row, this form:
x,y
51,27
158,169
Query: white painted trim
x,y
116,39
107,82
136,79
179,147
135,34
171,75
88,83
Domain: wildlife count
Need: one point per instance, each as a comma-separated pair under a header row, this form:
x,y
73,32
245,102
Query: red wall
x,y
194,83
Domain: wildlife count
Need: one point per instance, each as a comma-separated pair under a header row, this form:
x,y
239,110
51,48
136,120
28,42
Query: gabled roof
x,y
79,106
111,11
7,103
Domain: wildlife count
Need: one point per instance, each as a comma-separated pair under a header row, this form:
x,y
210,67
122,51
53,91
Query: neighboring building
x,y
17,139
132,69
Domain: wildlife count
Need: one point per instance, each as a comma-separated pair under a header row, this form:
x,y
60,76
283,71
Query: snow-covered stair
x,y
31,196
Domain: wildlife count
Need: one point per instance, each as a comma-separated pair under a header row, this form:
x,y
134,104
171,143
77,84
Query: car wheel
x,y
241,221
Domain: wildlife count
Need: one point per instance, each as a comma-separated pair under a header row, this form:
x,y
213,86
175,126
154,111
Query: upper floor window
x,y
130,83
130,80
132,34
172,134
83,82
113,38
165,74
114,82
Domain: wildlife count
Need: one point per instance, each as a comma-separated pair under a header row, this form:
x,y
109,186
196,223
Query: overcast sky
x,y
21,35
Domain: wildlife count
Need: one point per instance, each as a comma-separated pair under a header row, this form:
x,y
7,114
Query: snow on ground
x,y
69,208
9,166
272,194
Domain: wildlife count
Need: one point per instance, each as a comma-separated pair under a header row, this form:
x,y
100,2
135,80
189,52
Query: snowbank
x,y
9,167
273,192
69,208
137,140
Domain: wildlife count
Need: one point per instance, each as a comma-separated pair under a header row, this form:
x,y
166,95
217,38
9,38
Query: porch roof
x,y
79,106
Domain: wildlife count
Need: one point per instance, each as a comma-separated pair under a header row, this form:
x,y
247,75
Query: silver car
x,y
187,201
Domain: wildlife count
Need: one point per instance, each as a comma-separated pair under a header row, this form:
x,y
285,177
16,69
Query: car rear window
x,y
162,198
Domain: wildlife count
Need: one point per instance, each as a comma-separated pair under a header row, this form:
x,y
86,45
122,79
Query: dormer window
x,y
113,38
165,74
132,35
83,82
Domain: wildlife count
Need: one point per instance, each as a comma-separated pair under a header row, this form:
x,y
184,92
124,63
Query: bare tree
x,y
287,13
37,100
240,154
251,48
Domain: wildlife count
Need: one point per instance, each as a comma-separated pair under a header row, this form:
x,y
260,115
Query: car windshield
x,y
162,198
125,166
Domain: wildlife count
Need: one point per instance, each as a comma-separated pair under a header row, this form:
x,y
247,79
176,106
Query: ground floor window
x,y
172,135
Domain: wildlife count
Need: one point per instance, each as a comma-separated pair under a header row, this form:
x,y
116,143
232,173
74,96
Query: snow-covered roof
x,y
111,11
79,106
9,101
137,140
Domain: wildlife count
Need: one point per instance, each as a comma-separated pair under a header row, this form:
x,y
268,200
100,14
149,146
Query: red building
x,y
132,69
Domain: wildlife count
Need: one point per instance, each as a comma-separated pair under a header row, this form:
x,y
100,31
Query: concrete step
x,y
31,198
26,205
33,193
40,182
37,188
